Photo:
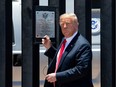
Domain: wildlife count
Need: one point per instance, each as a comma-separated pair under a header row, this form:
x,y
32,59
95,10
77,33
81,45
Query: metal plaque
x,y
45,24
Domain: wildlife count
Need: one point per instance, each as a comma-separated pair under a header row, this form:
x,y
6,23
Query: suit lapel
x,y
69,48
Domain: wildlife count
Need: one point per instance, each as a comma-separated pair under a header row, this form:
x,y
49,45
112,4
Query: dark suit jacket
x,y
75,67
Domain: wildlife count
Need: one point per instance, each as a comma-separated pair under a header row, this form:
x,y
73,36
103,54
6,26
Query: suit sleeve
x,y
50,52
82,66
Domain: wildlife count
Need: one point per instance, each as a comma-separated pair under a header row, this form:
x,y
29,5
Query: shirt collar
x,y
70,38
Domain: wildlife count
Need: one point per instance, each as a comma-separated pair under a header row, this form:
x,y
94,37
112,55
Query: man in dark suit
x,y
74,68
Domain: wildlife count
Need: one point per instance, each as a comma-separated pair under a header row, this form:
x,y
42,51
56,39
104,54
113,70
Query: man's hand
x,y
51,77
46,41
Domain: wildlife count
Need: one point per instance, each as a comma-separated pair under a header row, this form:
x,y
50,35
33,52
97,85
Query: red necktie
x,y
60,54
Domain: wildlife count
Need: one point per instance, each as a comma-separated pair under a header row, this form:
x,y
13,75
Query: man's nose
x,y
65,25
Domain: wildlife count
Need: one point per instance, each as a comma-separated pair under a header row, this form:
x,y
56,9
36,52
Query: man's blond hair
x,y
70,15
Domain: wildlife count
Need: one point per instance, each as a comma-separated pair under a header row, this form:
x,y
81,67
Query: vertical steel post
x,y
30,52
83,10
6,43
114,71
107,42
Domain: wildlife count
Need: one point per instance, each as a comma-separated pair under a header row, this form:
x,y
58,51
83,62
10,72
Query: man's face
x,y
68,27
